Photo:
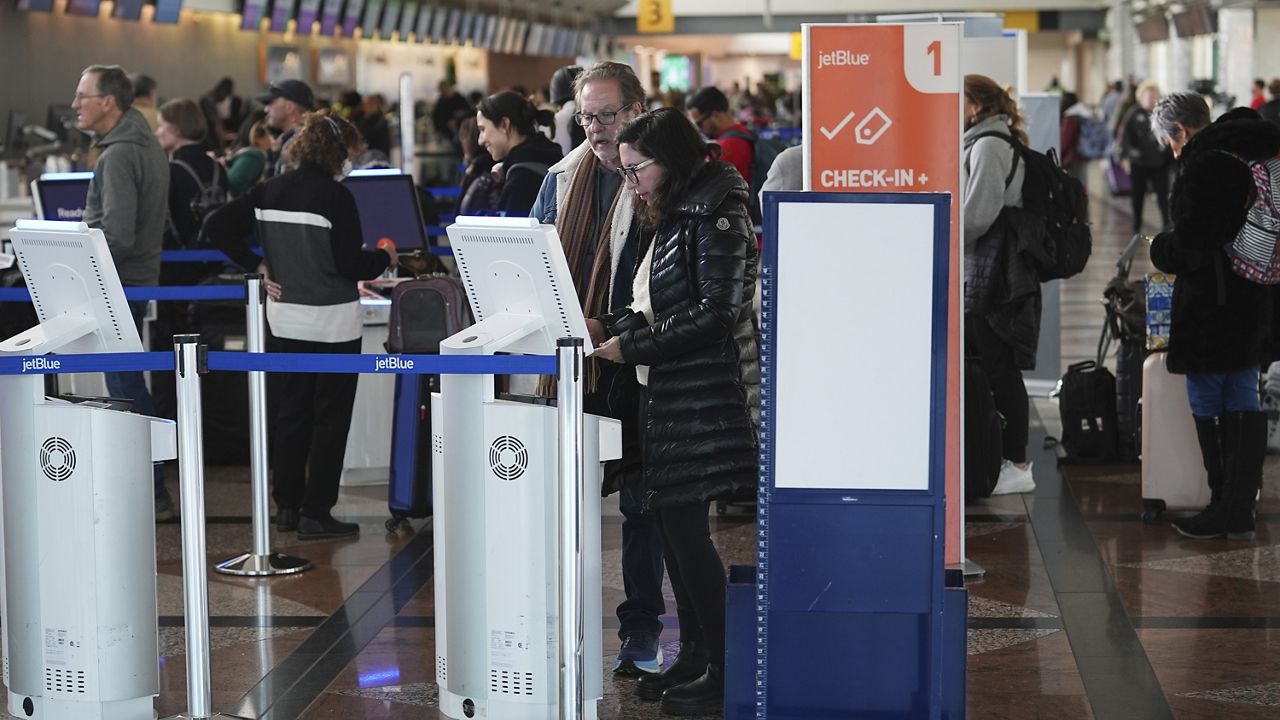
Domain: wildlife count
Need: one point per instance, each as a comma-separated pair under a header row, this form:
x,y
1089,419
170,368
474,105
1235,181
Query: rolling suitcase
x,y
424,312
1173,474
1119,182
409,490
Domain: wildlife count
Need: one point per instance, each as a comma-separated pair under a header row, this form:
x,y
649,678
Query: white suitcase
x,y
1173,474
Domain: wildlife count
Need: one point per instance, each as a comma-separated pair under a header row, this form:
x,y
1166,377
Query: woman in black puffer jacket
x,y
690,333
1222,324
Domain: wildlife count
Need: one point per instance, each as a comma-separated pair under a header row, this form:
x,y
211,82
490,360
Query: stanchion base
x,y
184,716
262,565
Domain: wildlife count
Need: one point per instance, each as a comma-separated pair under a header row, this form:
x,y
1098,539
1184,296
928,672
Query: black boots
x,y
704,696
1243,449
690,665
1209,433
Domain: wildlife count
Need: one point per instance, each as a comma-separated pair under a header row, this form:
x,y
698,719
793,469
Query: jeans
x,y
132,386
641,568
1212,394
617,397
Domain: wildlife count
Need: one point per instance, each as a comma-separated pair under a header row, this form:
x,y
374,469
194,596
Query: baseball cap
x,y
293,90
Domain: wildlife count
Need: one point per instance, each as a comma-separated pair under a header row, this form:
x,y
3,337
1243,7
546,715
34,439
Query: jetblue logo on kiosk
x,y
391,363
40,363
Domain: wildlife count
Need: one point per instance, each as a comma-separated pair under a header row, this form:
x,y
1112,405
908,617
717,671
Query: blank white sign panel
x,y
853,315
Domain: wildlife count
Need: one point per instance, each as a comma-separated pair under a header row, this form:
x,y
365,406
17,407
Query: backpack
x,y
1053,195
1253,252
425,311
208,197
763,152
484,196
1095,141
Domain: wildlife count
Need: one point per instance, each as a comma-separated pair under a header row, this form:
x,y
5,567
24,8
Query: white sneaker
x,y
1014,479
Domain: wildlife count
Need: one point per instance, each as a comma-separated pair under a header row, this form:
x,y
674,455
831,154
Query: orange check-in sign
x,y
883,114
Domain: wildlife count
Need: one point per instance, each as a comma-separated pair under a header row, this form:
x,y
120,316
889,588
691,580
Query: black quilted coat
x,y
1221,322
700,440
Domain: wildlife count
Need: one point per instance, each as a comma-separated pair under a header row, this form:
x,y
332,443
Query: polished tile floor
x,y
1083,611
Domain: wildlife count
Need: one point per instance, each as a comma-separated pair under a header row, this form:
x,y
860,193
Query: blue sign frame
x,y
878,618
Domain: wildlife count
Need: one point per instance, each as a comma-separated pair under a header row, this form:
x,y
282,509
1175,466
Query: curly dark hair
x,y
326,140
667,136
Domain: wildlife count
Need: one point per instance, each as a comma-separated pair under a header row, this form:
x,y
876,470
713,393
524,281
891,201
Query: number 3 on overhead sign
x,y
655,16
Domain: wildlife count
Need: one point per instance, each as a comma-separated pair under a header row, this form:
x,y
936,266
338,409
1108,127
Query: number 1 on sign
x,y
935,51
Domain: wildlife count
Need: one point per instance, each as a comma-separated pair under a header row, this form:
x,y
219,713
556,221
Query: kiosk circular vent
x,y
508,457
57,459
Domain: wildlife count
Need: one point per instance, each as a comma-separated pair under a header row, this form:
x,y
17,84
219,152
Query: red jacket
x,y
737,150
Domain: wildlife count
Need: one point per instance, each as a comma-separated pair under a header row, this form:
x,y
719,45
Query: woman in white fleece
x,y
994,318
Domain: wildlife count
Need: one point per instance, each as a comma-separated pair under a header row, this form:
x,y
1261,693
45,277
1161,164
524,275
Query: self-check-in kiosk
x,y
79,566
496,502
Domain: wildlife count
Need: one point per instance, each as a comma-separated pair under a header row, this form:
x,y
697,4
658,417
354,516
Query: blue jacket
x,y
546,209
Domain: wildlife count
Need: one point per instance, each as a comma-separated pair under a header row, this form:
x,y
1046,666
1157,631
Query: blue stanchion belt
x,y
445,191
288,363
385,364
199,256
192,256
155,292
99,362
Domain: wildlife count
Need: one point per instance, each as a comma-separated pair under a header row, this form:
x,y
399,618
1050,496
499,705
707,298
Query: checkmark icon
x,y
831,134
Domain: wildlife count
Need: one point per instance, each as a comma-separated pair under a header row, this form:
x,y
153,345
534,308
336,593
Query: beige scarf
x,y
574,222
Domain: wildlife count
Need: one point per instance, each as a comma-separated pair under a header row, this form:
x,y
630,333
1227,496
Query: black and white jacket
x,y
309,229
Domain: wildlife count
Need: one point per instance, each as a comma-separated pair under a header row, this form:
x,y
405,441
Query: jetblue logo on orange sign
x,y
843,58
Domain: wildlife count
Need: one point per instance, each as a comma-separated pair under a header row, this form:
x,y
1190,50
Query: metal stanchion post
x,y
261,561
407,138
189,362
569,359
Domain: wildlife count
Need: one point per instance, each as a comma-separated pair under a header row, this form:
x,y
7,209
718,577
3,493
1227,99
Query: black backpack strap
x,y
192,172
1017,152
537,168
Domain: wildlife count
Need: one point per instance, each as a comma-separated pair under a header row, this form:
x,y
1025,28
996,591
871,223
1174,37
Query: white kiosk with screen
x,y
496,495
79,567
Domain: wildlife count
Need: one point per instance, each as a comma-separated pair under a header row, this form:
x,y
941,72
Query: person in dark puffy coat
x,y
1222,325
689,330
